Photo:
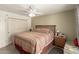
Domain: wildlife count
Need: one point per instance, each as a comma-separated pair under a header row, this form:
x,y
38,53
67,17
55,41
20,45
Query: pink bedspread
x,y
33,42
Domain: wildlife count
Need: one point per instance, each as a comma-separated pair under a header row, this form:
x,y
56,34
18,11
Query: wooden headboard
x,y
52,27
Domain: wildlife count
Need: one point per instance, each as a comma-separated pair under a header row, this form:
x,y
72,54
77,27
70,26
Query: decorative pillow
x,y
43,30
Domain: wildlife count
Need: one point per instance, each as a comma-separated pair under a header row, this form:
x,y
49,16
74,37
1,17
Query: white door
x,y
3,31
77,22
16,26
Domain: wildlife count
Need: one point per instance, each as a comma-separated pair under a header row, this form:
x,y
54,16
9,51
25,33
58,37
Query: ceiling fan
x,y
31,11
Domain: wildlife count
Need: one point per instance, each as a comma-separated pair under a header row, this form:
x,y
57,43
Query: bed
x,y
38,41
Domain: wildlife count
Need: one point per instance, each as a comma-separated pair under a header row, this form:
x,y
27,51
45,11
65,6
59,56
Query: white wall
x,y
64,21
4,40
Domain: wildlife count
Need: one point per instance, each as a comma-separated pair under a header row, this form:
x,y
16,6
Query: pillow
x,y
43,30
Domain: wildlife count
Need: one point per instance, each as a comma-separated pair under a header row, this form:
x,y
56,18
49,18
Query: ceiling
x,y
43,9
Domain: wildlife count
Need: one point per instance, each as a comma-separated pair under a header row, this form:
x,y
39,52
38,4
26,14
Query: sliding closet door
x,y
3,31
16,25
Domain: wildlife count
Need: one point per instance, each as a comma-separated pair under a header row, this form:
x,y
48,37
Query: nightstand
x,y
60,41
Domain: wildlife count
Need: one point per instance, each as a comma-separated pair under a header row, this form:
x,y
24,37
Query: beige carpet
x,y
10,49
69,49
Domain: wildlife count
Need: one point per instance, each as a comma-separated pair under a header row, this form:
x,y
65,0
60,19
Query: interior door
x,y
77,22
3,31
16,26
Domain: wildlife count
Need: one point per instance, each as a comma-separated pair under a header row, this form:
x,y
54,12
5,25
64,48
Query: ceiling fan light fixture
x,y
31,15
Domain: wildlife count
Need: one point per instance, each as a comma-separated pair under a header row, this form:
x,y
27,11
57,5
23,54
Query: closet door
x,y
3,31
16,25
77,22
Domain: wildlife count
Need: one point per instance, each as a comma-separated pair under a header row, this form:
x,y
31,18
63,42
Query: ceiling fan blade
x,y
31,11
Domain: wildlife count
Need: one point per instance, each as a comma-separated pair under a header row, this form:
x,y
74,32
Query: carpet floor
x,y
12,50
